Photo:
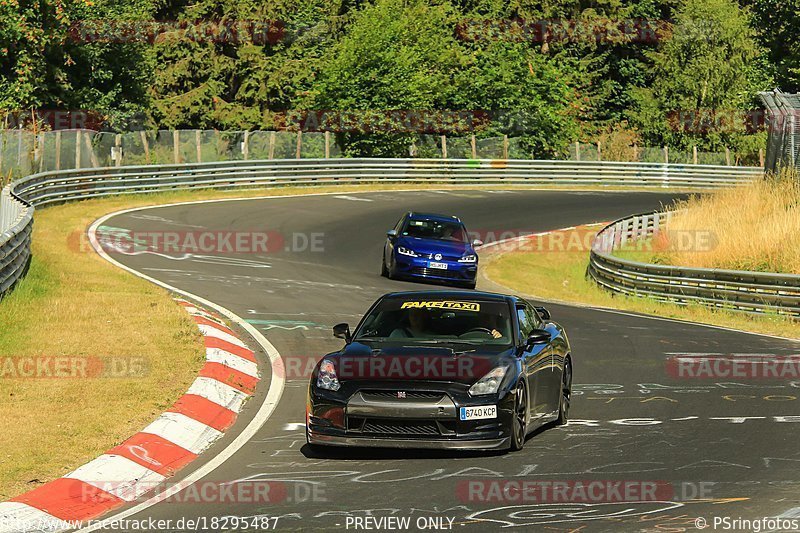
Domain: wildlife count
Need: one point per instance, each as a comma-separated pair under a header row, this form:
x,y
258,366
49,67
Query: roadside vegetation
x,y
751,227
655,72
560,275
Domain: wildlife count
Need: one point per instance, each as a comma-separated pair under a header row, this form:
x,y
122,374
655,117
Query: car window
x,y
536,320
435,229
526,323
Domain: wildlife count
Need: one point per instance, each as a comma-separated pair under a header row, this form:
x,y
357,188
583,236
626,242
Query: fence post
x,y
505,146
146,147
118,153
327,144
271,153
577,151
635,152
246,145
197,144
39,148
474,146
58,150
444,146
78,144
92,155
176,158
694,154
727,156
666,154
761,157
299,143
599,152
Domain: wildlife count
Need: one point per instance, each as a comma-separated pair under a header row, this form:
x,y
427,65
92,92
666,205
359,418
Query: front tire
x,y
565,394
519,424
384,270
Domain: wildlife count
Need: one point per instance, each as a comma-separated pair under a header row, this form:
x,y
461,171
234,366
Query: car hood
x,y
392,361
432,246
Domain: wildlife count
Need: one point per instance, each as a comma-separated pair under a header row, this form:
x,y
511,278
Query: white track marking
x,y
240,364
186,432
218,392
118,475
14,515
211,331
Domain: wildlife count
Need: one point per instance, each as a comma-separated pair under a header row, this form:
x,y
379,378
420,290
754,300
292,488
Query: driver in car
x,y
418,325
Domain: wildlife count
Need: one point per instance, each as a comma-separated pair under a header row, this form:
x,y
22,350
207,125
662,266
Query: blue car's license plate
x,y
440,266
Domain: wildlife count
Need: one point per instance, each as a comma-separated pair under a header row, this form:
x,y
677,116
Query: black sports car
x,y
442,369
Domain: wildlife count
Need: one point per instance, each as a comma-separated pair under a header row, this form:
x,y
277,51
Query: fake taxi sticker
x,y
442,304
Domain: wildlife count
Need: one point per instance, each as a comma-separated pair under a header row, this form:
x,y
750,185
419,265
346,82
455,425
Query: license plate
x,y
442,266
478,413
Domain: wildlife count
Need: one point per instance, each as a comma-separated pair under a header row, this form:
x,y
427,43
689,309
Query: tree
x,y
704,76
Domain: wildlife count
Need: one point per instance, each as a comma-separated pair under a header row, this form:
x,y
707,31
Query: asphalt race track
x,y
712,447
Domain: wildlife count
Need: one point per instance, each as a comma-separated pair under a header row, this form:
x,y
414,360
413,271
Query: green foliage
x,y
704,78
584,80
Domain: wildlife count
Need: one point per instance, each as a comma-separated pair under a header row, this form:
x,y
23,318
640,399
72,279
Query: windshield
x,y
417,319
435,229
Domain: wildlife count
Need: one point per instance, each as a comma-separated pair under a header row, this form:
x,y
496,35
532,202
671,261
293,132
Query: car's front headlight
x,y
402,250
490,383
326,379
471,258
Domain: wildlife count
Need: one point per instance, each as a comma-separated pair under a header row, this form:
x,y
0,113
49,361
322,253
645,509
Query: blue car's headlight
x,y
471,258
402,250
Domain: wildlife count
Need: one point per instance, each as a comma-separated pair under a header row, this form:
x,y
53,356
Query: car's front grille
x,y
399,427
383,395
435,272
442,258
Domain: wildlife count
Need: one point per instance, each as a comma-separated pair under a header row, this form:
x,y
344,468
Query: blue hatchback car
x,y
431,247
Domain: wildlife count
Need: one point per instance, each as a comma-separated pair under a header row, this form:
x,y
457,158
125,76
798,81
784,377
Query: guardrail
x,y
753,292
49,188
16,225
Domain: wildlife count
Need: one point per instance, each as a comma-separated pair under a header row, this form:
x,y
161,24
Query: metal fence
x,y
23,153
783,141
752,292
47,188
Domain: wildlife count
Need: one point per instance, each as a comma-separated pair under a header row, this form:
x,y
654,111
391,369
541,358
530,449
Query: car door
x,y
549,379
535,360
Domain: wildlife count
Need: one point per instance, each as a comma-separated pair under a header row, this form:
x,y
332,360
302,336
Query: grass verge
x,y
559,275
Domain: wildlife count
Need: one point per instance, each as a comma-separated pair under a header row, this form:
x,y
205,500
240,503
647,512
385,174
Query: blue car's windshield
x,y
419,320
435,229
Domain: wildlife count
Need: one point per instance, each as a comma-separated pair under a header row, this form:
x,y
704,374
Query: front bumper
x,y
426,417
417,267
431,444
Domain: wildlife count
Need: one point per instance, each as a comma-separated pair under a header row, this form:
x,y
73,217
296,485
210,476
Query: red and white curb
x,y
144,461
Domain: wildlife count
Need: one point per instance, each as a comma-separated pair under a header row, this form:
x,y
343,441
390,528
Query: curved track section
x,y
664,449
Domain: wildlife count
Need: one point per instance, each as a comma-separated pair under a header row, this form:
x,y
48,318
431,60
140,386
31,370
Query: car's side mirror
x,y
537,336
392,233
544,313
342,331
477,242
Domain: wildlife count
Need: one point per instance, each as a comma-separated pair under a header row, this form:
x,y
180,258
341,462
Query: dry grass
x,y
560,276
753,227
